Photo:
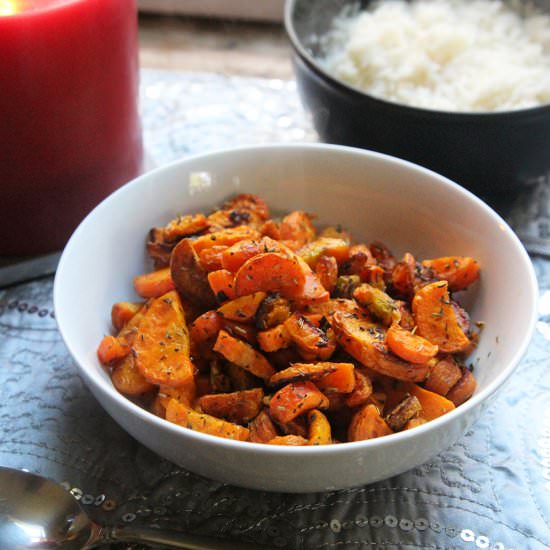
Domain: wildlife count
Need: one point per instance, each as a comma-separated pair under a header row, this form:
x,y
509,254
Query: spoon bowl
x,y
38,514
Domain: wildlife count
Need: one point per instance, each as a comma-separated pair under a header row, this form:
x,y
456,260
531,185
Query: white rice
x,y
446,55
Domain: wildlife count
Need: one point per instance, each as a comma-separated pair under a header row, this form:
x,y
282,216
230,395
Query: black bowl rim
x,y
473,116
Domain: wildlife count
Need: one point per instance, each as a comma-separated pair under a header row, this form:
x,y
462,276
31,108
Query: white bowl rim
x,y
337,448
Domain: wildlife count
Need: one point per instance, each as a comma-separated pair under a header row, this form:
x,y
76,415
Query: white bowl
x,y
376,197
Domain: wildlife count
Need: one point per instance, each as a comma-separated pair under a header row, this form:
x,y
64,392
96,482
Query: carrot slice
x,y
433,404
184,226
243,355
409,346
341,380
178,413
235,256
185,394
459,271
312,252
319,432
436,318
361,391
154,284
128,380
122,312
225,237
289,440
295,399
274,339
262,429
332,377
206,326
222,283
210,258
367,423
364,341
161,346
270,272
239,406
326,270
309,339
112,349
444,375
297,226
242,309
463,389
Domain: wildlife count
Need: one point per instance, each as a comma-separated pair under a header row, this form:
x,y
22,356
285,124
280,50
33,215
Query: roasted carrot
x,y
235,256
463,389
436,318
331,376
274,310
127,379
210,259
184,226
274,339
367,423
379,304
309,339
122,312
243,355
112,349
185,394
312,251
319,432
326,270
225,237
459,271
297,227
239,407
295,399
222,283
289,440
242,309
362,389
443,376
206,326
178,413
154,284
262,429
161,346
409,346
433,404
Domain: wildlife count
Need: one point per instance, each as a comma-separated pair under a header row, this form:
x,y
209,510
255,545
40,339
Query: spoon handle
x,y
175,539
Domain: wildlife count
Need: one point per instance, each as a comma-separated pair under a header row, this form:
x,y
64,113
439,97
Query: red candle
x,y
69,126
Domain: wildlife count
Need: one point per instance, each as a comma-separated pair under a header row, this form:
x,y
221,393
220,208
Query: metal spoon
x,y
38,514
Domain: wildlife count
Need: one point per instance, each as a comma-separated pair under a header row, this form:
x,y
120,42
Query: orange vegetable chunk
x,y
319,432
433,404
210,258
184,226
111,349
122,312
178,413
128,380
225,237
161,346
295,399
242,309
436,319
206,326
235,256
362,390
222,283
459,271
409,346
367,423
297,226
463,389
309,339
243,355
443,376
274,339
240,406
262,429
289,440
154,284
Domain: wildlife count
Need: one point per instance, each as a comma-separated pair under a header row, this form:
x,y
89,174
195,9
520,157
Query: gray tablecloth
x,y
490,490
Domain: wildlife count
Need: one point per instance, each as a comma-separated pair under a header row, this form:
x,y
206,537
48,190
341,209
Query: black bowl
x,y
495,155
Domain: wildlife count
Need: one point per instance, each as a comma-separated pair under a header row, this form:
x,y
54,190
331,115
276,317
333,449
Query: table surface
x,y
490,490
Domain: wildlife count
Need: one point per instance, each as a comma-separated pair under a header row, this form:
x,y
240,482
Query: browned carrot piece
x,y
274,310
367,423
239,406
184,226
433,404
295,399
436,318
112,349
188,275
242,331
242,309
327,272
319,428
222,283
409,346
225,237
360,258
129,330
243,355
262,429
341,380
154,284
210,258
270,228
297,226
270,272
404,411
374,275
299,372
379,304
403,275
161,346
365,341
122,312
244,209
308,338
178,413
235,256
312,251
312,291
443,376
289,440
463,389
459,271
274,339
158,249
206,326
185,394
361,391
342,305
127,379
